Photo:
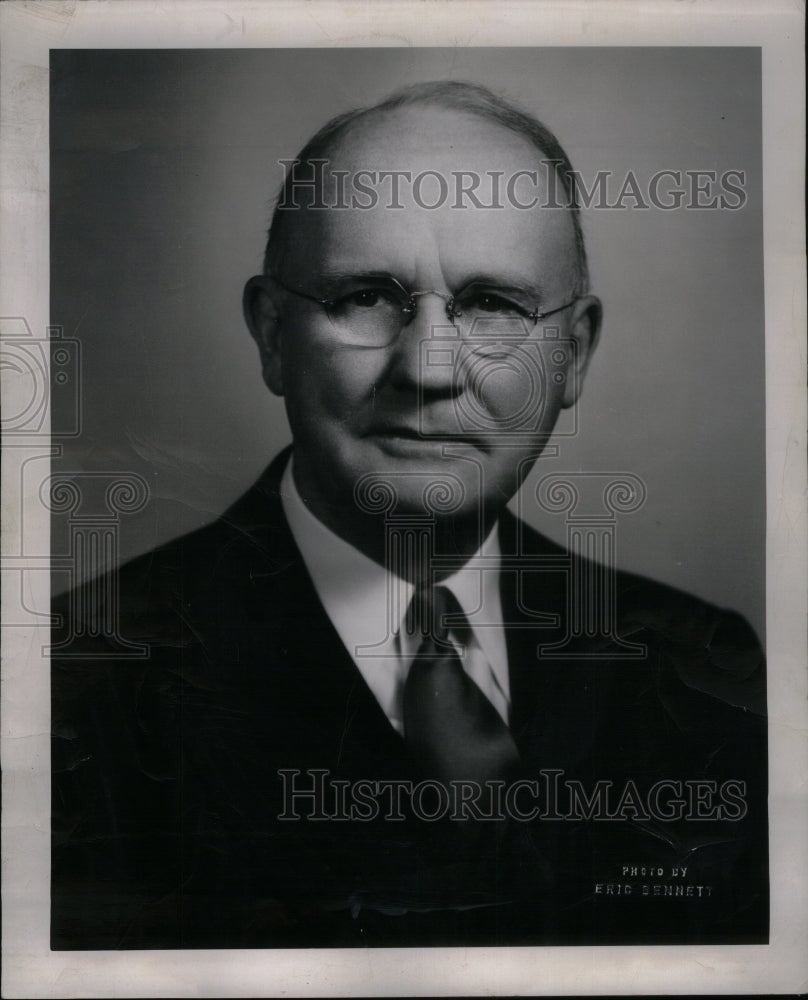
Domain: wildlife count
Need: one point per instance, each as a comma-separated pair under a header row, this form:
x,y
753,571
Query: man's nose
x,y
424,353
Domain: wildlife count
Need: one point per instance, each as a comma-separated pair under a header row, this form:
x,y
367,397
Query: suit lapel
x,y
316,690
556,704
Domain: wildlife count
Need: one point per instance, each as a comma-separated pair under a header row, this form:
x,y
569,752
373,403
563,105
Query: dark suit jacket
x,y
166,792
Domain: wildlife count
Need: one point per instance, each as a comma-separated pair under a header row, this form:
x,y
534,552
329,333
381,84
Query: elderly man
x,y
366,716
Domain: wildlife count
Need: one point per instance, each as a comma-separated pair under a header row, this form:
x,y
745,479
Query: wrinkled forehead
x,y
406,187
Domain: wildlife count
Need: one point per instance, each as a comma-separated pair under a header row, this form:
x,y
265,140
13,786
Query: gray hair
x,y
452,95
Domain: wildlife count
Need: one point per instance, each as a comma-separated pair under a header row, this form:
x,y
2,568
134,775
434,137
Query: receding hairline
x,y
342,145
462,98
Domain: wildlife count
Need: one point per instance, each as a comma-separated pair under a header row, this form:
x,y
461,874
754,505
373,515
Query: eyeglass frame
x,y
412,307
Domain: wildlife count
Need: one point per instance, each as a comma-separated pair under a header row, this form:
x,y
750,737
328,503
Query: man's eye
x,y
366,298
490,302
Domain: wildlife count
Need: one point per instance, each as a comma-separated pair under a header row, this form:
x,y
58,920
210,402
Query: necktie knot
x,y
433,613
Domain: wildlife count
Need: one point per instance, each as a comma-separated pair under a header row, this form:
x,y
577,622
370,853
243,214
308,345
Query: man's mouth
x,y
413,438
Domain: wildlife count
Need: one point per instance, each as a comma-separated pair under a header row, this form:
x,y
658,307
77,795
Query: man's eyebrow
x,y
334,275
506,283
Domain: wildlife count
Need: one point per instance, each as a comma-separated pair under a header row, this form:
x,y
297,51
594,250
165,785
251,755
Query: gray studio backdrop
x,y
164,171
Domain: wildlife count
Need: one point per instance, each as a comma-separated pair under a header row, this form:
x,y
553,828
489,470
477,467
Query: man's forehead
x,y
430,137
404,185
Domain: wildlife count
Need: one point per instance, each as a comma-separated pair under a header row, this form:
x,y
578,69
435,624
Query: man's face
x,y
428,406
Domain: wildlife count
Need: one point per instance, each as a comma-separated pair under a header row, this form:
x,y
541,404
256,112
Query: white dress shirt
x,y
366,604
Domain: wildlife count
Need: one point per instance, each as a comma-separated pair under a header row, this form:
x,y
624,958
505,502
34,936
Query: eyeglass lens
x,y
376,316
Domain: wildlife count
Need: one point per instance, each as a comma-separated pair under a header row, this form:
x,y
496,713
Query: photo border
x,y
29,31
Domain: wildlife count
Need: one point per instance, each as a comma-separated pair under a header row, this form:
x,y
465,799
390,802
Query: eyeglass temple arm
x,y
453,311
537,315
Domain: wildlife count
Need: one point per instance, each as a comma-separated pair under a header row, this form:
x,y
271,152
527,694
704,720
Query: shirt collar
x,y
359,595
352,587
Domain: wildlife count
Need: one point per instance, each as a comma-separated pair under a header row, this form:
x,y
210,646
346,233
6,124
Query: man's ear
x,y
584,330
260,303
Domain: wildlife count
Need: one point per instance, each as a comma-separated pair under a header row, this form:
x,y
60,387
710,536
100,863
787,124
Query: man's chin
x,y
423,479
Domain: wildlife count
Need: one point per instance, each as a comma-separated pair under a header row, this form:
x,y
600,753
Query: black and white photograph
x,y
404,484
